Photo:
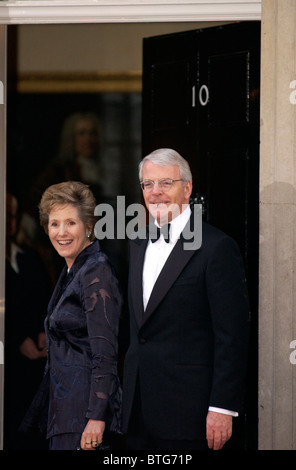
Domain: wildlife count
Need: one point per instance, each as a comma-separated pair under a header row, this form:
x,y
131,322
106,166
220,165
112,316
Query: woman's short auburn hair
x,y
70,192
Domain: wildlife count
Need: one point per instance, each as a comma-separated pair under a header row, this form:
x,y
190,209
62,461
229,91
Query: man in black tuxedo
x,y
184,371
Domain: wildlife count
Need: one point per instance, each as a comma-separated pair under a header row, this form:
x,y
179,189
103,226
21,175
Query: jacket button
x,y
142,340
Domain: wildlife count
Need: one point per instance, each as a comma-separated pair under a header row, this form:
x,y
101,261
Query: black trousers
x,y
137,437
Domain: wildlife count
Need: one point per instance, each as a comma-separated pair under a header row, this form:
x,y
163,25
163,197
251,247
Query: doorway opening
x,y
31,149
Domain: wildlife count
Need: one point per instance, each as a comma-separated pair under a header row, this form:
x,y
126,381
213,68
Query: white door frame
x,y
126,11
2,209
94,11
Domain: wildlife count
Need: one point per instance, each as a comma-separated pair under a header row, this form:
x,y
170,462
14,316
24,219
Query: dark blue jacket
x,y
82,327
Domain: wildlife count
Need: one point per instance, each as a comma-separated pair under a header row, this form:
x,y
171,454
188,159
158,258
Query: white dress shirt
x,y
155,257
158,252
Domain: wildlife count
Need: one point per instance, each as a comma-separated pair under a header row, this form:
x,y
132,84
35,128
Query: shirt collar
x,y
177,224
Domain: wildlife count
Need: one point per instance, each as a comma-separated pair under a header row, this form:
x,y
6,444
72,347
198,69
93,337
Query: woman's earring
x,y
88,234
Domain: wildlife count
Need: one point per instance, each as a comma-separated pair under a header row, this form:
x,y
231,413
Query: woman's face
x,y
67,232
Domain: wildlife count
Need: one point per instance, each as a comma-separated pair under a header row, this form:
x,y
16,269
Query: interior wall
x,y
88,47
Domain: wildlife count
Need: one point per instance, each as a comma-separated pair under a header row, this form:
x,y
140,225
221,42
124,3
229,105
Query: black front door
x,y
201,97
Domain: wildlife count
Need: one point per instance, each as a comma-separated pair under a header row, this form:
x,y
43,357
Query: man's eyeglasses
x,y
165,184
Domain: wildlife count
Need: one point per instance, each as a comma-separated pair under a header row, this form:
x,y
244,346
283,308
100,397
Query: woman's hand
x,y
92,435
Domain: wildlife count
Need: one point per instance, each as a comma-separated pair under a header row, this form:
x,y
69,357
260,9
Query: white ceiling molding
x,y
126,11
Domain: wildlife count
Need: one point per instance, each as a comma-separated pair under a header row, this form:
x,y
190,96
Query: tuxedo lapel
x,y
174,265
136,284
171,270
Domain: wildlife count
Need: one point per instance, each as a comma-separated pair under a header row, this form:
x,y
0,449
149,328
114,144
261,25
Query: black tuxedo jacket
x,y
188,349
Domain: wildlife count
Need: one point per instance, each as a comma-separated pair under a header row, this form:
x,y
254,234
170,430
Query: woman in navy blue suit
x,y
81,325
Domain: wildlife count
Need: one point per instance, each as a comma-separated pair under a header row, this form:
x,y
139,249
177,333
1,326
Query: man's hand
x,y
29,348
219,429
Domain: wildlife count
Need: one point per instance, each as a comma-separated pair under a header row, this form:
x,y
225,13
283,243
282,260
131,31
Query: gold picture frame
x,y
78,82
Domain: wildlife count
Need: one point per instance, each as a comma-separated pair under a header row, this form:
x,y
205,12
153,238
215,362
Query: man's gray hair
x,y
167,157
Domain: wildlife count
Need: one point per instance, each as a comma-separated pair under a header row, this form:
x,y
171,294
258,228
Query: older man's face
x,y
164,205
